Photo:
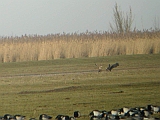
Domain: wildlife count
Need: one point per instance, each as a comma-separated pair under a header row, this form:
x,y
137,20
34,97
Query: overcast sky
x,y
19,17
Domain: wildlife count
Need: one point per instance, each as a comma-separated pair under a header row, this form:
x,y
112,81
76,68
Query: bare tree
x,y
156,24
121,23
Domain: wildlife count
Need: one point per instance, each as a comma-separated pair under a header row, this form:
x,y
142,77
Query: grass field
x,y
63,86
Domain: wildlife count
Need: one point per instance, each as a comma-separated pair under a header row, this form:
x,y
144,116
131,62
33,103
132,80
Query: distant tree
x,y
121,23
156,24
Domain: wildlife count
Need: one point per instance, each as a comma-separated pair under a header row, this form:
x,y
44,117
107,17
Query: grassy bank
x,y
66,85
36,48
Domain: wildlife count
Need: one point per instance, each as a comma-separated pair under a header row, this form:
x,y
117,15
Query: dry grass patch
x,y
36,48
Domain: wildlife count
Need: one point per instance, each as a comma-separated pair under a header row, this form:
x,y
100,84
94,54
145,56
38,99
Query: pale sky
x,y
19,17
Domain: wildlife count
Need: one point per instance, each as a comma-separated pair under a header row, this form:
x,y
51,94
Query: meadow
x,y
62,86
77,45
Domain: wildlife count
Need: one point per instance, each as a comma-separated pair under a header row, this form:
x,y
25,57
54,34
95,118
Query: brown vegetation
x,y
55,46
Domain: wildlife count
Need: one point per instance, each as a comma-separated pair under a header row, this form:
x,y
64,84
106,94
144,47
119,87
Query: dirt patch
x,y
65,89
157,83
118,92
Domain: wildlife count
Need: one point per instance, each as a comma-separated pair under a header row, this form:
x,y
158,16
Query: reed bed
x,y
56,46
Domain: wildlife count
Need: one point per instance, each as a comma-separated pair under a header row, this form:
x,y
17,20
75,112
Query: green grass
x,y
66,85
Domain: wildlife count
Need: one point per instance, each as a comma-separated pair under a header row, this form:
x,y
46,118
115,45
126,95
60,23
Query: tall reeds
x,y
55,46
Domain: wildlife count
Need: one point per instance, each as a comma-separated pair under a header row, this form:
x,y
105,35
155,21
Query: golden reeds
x,y
34,48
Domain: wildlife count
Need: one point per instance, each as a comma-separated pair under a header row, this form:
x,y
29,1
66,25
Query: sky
x,y
42,17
